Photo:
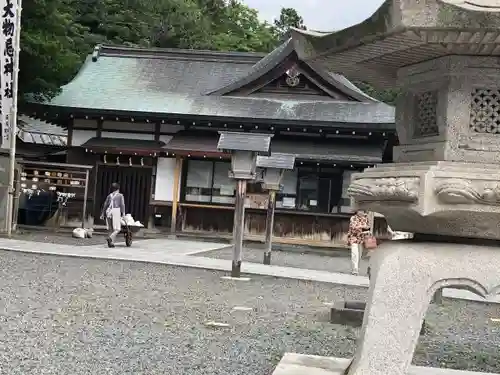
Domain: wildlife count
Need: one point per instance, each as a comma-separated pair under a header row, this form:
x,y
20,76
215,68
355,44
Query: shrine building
x,y
149,119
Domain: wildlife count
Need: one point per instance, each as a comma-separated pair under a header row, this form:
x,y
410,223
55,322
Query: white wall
x,y
82,136
164,184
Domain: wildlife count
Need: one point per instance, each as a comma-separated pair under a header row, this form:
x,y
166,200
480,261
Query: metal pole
x,y
13,119
85,197
238,226
269,226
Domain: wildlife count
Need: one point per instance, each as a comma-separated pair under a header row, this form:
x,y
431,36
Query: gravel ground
x,y
80,316
292,259
62,238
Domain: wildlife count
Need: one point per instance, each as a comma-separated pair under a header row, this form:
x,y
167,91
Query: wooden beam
x,y
157,131
99,128
175,199
69,141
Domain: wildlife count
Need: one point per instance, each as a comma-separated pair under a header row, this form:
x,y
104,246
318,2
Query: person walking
x,y
359,227
113,210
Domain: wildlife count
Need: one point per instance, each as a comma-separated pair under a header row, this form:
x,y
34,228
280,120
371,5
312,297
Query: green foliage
x,y
386,96
58,34
241,30
288,18
51,43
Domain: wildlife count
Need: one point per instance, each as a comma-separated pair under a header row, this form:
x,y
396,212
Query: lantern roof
x,y
402,33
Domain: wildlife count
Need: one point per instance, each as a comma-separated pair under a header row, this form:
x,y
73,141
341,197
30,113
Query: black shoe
x,y
110,243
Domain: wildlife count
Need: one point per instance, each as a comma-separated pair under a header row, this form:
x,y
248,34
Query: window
x,y
308,192
199,181
312,189
223,190
287,197
345,201
209,182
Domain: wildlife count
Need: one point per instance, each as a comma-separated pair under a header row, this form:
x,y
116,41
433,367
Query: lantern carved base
x,y
439,198
405,277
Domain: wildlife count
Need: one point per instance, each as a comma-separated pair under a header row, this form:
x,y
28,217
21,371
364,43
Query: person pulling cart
x,y
113,211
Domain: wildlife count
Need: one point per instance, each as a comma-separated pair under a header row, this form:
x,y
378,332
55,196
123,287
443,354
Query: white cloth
x,y
356,252
114,221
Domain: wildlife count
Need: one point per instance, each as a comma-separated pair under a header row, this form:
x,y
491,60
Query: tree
x,y
288,18
386,96
241,30
57,35
50,47
179,24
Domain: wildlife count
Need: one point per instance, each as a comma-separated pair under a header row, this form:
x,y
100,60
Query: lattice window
x,y
426,115
485,111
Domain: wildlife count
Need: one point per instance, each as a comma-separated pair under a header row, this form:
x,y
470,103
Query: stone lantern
x,y
244,149
274,168
444,184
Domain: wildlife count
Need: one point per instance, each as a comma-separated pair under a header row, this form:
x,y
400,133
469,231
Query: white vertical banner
x,y
8,12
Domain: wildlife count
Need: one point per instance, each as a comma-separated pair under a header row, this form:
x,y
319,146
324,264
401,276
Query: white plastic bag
x,y
79,233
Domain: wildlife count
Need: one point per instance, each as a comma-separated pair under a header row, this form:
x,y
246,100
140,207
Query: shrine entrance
x,y
135,184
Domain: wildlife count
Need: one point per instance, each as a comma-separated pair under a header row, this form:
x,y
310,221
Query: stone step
x,y
302,364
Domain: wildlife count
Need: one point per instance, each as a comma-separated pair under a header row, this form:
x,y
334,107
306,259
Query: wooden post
x,y
238,226
16,199
269,226
175,200
85,197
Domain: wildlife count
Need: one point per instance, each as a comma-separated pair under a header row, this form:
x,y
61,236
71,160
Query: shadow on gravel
x,y
460,336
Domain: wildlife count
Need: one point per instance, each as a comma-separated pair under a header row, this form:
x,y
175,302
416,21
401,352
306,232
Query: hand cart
x,y
127,231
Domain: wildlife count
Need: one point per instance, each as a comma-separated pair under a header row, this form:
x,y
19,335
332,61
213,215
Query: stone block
x,y
347,313
351,313
301,364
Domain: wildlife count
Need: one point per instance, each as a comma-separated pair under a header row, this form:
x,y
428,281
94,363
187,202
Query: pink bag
x,y
370,242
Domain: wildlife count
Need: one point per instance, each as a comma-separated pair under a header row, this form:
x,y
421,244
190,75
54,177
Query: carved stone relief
x,y
458,191
485,111
404,189
426,115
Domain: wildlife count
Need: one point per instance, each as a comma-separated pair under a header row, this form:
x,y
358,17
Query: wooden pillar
x,y
69,141
99,128
238,226
175,200
85,198
271,204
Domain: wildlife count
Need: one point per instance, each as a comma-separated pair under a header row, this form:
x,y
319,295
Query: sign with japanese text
x,y
8,12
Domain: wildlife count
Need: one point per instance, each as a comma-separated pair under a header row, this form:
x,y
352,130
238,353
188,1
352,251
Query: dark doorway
x,y
135,184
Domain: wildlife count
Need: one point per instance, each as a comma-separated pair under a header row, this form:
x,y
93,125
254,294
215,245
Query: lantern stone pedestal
x,y
444,184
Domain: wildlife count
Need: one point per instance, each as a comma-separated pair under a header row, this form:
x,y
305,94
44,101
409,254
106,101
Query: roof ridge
x,y
173,53
264,65
276,57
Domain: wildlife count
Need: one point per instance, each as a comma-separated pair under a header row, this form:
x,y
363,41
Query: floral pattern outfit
x,y
358,226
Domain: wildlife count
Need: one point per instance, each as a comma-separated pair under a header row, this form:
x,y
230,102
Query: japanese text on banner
x,y
8,12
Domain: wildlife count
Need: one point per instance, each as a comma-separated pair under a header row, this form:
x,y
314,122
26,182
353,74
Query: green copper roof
x,y
173,82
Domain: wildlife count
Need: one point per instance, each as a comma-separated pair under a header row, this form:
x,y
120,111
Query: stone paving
x,y
189,254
